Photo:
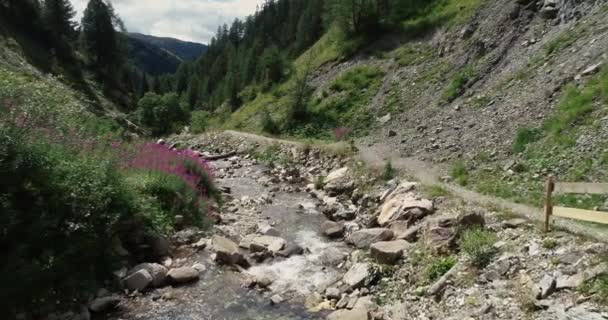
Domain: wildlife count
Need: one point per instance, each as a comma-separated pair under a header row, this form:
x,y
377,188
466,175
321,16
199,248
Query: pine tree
x,y
57,16
99,36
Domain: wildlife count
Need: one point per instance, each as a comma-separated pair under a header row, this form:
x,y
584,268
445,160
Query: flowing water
x,y
219,295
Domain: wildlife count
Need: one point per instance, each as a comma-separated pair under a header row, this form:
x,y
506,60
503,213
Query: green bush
x,y
161,114
523,137
459,173
457,84
59,209
596,288
199,121
438,267
478,244
389,172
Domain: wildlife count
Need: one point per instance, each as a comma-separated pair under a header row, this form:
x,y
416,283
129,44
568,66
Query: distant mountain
x,y
187,51
158,56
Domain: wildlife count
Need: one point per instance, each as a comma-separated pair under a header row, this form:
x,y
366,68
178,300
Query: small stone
x,y
276,299
388,252
514,223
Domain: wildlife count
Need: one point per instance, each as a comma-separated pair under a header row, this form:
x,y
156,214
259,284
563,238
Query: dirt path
x,y
377,155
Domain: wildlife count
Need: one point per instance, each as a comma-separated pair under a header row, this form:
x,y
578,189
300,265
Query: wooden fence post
x,y
550,186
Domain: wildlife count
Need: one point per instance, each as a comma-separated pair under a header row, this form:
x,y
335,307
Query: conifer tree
x,y
57,16
99,36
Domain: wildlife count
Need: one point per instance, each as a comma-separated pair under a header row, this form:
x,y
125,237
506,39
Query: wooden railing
x,y
553,187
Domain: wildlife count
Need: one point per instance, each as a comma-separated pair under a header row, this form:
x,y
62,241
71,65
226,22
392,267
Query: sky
x,y
190,20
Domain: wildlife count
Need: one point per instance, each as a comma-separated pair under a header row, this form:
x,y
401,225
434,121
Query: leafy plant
x,y
597,288
458,82
460,173
549,243
438,267
523,137
389,172
478,244
199,121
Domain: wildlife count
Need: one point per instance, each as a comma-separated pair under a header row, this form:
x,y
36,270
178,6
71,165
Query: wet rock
x,y
263,282
267,243
199,267
332,229
139,280
182,275
157,271
360,274
267,230
388,252
104,304
291,249
364,238
227,252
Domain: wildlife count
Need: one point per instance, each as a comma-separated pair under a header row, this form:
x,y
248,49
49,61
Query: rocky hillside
x,y
507,91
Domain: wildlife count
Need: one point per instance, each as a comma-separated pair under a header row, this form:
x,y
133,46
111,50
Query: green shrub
x,y
459,173
478,244
457,84
523,137
438,267
161,114
268,124
389,172
597,288
60,209
319,182
549,243
199,121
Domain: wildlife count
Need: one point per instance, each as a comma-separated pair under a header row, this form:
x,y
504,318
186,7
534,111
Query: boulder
x,y
403,231
364,238
182,275
338,181
360,274
404,205
332,229
332,293
546,287
227,252
355,314
157,271
470,219
139,280
159,245
388,252
267,243
514,223
104,304
441,239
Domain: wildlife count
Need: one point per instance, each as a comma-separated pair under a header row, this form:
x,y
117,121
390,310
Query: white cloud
x,y
192,20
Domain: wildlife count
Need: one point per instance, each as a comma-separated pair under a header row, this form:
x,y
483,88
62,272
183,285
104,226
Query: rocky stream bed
x,y
290,246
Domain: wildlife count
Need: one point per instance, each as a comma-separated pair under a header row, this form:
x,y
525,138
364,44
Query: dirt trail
x,y
377,155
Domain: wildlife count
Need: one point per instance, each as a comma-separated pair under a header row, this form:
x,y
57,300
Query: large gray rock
x,y
574,281
403,204
388,252
157,271
338,181
360,274
139,280
332,229
183,275
403,231
364,238
267,243
104,304
227,252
